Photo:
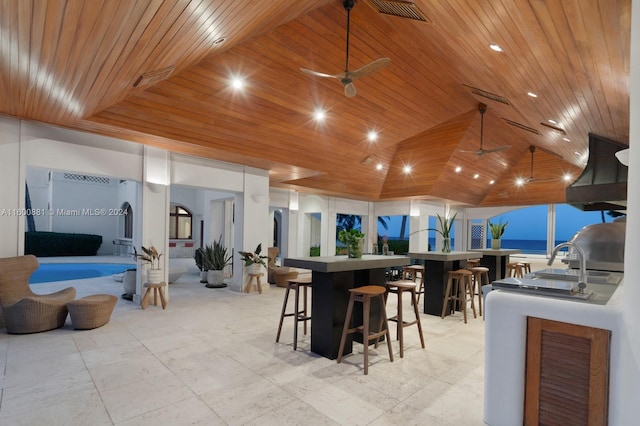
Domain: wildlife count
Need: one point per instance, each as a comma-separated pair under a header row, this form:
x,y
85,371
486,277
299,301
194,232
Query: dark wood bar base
x,y
330,292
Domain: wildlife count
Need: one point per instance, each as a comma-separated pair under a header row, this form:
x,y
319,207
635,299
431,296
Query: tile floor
x,y
210,358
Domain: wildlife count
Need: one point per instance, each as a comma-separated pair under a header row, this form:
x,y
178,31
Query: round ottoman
x,y
91,311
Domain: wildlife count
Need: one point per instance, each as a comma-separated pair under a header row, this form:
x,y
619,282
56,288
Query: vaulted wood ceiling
x,y
75,64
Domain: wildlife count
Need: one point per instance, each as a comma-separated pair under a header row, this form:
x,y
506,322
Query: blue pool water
x,y
47,272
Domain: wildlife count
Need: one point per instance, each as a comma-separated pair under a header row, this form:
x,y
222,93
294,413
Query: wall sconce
x,y
414,209
156,187
258,198
293,200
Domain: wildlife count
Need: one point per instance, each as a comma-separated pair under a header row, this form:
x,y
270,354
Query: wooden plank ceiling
x,y
75,63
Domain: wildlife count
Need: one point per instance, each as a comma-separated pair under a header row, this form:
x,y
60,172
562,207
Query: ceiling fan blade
x,y
370,68
350,90
318,74
496,149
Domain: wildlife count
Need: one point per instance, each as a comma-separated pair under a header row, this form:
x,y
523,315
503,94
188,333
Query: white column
x,y
11,189
154,217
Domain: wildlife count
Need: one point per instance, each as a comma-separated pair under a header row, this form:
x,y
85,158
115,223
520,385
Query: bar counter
x,y
436,272
331,279
496,261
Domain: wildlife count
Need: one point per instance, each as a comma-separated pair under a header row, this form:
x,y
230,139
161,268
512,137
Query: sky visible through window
x,y
528,223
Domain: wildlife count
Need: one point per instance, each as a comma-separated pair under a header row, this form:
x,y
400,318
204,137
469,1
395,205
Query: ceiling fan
x,y
480,152
348,77
530,179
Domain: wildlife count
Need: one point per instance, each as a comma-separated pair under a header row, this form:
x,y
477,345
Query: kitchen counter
x,y
505,343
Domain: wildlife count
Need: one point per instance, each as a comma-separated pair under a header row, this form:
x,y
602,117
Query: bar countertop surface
x,y
498,252
444,257
343,263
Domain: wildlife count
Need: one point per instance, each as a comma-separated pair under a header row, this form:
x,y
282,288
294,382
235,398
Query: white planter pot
x,y
254,268
203,276
155,276
495,244
215,278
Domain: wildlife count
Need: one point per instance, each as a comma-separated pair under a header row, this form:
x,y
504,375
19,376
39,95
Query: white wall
x,y
628,394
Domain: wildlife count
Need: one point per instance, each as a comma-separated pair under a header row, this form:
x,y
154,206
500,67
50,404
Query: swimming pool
x,y
47,272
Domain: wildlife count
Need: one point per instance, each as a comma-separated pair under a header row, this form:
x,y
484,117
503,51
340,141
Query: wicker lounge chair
x,y
25,311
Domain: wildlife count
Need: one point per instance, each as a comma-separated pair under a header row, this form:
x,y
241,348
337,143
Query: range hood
x,y
603,182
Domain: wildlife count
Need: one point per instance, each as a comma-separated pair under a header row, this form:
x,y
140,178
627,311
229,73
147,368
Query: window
x,y
179,222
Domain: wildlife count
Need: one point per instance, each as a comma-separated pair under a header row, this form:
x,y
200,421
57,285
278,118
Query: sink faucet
x,y
582,278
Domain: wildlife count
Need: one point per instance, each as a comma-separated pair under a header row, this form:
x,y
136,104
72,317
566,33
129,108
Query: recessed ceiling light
x,y
519,181
552,121
491,182
476,176
372,136
237,83
379,166
567,177
319,115
495,47
533,95
566,139
406,169
458,169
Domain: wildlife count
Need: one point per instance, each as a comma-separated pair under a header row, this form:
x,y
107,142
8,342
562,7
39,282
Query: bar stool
x,y
478,273
399,287
458,287
410,272
364,295
472,263
514,269
526,267
297,314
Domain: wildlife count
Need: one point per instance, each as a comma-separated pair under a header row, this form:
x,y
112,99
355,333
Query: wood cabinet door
x,y
567,374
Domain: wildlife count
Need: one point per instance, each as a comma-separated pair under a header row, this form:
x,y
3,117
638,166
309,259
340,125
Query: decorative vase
x,y
203,276
154,276
446,245
495,244
215,278
385,249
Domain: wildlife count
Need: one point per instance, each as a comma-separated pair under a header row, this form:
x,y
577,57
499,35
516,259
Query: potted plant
x,y
199,258
497,230
353,239
215,257
152,257
446,223
253,259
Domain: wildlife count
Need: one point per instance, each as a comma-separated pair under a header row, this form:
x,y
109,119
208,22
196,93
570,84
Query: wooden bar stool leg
x,y
282,315
414,302
447,295
345,329
471,292
296,316
304,304
400,328
461,300
383,308
365,331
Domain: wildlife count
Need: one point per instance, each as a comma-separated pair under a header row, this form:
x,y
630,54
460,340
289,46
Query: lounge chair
x,y
25,311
